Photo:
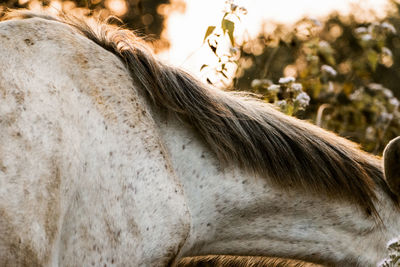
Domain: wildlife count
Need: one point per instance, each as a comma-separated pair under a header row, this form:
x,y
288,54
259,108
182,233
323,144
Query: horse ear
x,y
391,161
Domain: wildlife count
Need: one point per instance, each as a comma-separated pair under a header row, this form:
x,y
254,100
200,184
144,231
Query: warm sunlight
x,y
200,133
186,30
118,7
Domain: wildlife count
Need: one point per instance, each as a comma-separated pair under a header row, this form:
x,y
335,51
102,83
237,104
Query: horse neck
x,y
236,213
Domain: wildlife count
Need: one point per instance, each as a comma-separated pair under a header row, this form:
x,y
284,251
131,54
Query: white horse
x,y
110,157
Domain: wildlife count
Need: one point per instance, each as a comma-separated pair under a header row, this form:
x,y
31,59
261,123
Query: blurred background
x,y
332,62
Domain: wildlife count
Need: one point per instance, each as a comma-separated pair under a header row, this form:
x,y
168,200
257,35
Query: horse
x,y
110,157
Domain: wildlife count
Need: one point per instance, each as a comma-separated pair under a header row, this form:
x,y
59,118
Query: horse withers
x,y
111,157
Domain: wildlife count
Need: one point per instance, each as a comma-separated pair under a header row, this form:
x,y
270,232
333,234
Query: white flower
x,y
324,44
358,95
315,22
255,83
296,87
376,86
260,82
303,99
394,102
389,27
281,103
385,117
285,80
366,37
386,51
274,88
360,30
329,70
388,93
370,133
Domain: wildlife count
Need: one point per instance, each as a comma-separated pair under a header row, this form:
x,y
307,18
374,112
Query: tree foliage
x,y
343,69
146,17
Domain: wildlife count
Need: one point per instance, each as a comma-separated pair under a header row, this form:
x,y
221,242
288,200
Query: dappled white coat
x,y
89,175
84,176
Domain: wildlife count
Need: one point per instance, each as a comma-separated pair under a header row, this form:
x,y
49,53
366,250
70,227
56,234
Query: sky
x,y
186,30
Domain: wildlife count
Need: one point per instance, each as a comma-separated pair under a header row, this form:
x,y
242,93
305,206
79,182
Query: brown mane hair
x,y
242,261
290,152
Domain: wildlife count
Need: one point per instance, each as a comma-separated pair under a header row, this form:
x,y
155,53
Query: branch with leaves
x,y
215,35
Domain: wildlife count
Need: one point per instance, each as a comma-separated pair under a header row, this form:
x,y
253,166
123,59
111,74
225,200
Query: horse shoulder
x,y
82,168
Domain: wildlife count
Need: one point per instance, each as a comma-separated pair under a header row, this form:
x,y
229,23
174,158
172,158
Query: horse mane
x,y
241,261
290,152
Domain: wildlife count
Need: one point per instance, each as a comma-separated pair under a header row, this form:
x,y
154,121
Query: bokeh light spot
x,y
335,31
22,2
290,71
147,19
117,7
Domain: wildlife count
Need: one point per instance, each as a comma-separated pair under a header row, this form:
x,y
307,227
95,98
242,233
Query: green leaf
x,y
223,74
209,31
213,47
289,110
372,57
203,66
228,26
